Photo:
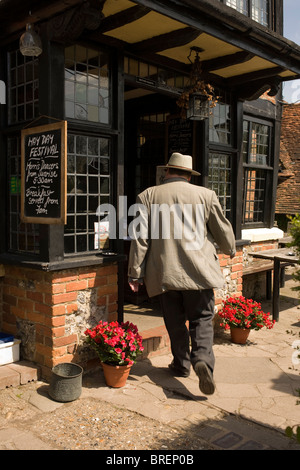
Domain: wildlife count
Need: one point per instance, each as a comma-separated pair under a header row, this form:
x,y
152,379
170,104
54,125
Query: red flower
x,y
243,313
115,343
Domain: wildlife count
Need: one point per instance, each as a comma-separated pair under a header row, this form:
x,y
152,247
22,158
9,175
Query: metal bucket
x,y
66,382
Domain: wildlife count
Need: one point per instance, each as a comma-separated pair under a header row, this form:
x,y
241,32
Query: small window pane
x,y
239,5
254,195
220,124
86,189
22,87
219,180
256,153
256,143
87,85
22,237
258,10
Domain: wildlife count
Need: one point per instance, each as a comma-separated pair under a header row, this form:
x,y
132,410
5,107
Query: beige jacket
x,y
172,262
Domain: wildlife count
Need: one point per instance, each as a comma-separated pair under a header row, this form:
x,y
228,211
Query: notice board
x,y
43,174
180,136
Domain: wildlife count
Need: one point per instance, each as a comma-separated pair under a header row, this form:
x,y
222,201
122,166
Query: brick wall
x,y
233,274
49,311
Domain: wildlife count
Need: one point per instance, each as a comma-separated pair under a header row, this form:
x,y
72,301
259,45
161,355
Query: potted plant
x,y
117,346
241,315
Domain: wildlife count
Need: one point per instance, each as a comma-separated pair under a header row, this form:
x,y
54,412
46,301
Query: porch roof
x,y
235,51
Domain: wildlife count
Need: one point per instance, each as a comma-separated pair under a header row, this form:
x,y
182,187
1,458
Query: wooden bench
x,y
260,266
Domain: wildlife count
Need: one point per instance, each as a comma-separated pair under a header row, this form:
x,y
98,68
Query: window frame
x,y
251,5
225,168
227,105
267,168
86,128
20,238
88,85
76,132
226,149
51,64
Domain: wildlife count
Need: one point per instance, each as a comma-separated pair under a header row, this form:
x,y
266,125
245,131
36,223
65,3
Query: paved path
x,y
256,398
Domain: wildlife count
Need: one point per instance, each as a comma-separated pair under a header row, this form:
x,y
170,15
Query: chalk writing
x,y
42,174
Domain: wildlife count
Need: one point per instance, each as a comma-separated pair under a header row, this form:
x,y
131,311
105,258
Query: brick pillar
x,y
233,273
49,311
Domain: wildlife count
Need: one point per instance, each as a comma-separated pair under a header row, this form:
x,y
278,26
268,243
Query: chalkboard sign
x,y
43,175
180,136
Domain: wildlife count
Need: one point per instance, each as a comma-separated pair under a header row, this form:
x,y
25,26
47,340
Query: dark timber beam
x,y
226,61
123,18
222,23
166,41
254,76
254,90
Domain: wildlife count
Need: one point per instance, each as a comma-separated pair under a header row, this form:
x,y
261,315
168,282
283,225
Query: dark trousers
x,y
198,308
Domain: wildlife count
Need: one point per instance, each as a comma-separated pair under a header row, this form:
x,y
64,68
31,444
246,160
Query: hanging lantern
x,y
198,108
30,42
196,100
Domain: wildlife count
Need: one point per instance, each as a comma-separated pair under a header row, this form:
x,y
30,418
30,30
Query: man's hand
x,y
134,285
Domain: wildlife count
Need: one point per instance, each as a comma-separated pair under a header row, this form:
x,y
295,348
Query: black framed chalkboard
x,y
180,136
43,174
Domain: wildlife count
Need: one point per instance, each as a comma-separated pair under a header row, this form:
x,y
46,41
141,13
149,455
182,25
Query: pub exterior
x,y
97,108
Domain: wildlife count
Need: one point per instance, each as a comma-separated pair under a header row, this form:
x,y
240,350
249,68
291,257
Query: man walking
x,y
177,261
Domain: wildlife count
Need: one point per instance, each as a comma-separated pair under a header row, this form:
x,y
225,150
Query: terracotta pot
x,y
115,376
239,335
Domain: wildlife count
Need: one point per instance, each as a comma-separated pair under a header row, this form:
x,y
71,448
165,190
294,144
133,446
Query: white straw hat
x,y
180,162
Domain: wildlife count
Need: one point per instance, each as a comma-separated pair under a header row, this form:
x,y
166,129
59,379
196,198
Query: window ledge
x,y
67,263
262,234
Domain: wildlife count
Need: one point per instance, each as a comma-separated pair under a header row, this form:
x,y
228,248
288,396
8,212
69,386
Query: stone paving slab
x,y
256,398
15,439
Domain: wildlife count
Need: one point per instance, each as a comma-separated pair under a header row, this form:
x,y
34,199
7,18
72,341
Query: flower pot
x,y
239,335
115,376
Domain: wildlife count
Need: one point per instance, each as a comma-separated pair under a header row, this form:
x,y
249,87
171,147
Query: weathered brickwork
x,y
233,274
49,312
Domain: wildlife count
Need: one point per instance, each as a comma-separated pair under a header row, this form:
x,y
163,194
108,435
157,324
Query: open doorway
x,y
146,119
145,140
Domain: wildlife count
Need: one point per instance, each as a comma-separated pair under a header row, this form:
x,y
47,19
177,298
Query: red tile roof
x,y
288,191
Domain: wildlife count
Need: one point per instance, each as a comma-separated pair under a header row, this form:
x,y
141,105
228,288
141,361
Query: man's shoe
x,y
177,372
206,381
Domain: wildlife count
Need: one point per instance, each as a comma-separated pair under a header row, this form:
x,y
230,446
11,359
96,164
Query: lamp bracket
x,y
195,49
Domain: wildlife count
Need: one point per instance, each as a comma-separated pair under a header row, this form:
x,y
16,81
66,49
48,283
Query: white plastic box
x,y
10,352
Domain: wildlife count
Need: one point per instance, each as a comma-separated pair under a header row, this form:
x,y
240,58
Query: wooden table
x,y
280,256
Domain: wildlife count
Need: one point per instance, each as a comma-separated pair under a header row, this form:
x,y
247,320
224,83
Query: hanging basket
x,y
115,376
239,335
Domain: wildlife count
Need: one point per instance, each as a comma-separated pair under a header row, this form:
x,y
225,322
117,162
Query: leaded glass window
x,y
88,186
22,237
220,123
239,5
219,180
87,85
23,87
258,10
257,170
